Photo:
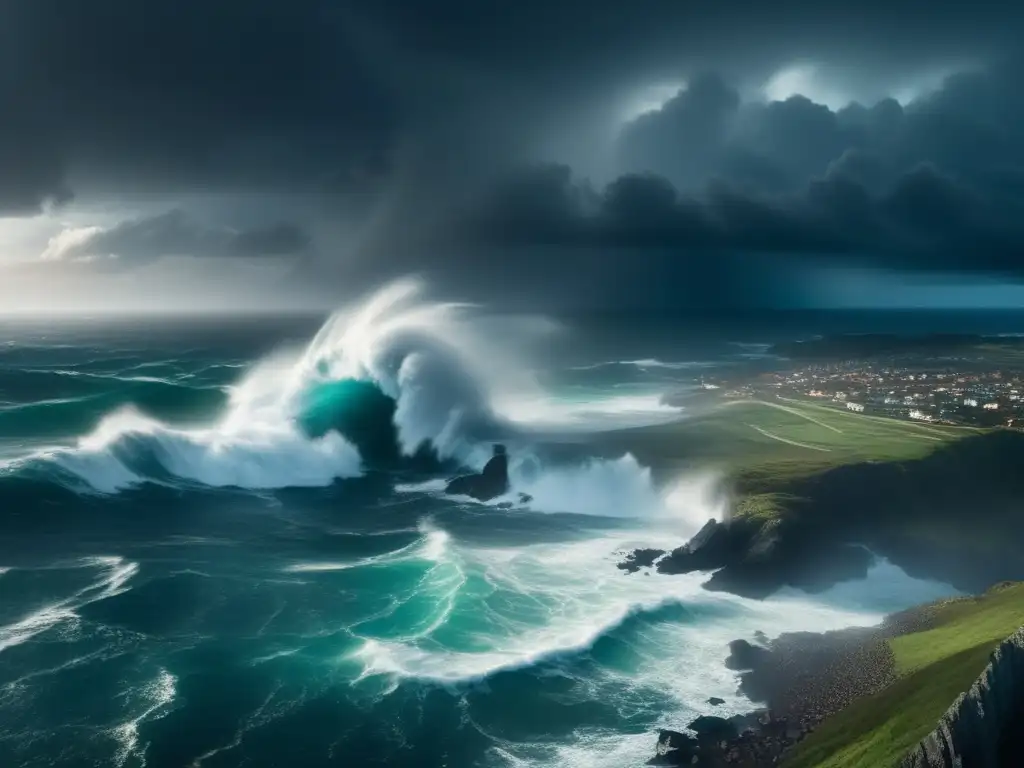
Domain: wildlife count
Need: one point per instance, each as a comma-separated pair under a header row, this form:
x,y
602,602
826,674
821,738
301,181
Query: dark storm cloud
x,y
322,93
933,185
143,240
971,127
407,124
923,218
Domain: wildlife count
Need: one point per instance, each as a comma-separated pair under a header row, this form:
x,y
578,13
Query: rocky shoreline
x,y
801,678
827,528
823,528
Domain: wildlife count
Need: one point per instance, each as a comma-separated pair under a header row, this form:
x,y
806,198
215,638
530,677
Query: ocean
x,y
225,542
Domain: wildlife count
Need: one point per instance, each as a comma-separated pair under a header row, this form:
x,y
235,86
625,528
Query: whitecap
x,y
113,580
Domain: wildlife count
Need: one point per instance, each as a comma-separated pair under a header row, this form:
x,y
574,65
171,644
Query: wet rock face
x,y
715,545
713,729
755,560
744,655
674,748
640,558
982,728
489,484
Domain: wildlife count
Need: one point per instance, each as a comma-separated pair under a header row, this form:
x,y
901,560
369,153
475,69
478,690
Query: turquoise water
x,y
225,545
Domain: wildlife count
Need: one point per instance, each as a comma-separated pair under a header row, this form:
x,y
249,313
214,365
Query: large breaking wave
x,y
395,377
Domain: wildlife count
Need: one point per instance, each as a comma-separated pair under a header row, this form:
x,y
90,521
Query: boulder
x,y
640,558
712,728
714,701
744,655
715,545
489,484
674,748
750,722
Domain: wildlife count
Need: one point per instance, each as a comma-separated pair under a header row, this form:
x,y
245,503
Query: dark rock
x,y
525,498
489,484
712,728
715,545
674,748
745,656
774,558
750,721
715,701
707,533
640,558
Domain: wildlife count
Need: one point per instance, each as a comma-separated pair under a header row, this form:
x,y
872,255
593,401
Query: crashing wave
x,y
398,376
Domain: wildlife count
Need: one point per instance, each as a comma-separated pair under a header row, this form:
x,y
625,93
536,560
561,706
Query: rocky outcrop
x,y
981,729
640,558
674,748
754,558
756,739
489,484
822,528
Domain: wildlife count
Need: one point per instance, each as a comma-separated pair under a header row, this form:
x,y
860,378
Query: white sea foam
x,y
155,698
545,605
580,596
619,487
113,577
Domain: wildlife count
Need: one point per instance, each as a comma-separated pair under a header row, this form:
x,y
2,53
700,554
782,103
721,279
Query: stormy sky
x,y
545,154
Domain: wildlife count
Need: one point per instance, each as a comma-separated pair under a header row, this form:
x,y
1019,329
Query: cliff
x,y
982,728
952,515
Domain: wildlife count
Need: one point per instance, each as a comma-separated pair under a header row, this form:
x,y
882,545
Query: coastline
x,y
947,514
812,693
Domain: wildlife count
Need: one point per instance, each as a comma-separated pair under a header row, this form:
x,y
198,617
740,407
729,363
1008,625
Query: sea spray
x,y
454,390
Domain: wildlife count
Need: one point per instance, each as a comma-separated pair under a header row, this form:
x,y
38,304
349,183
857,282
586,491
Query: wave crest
x,y
394,377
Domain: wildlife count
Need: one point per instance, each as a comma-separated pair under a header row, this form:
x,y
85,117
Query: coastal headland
x,y
815,494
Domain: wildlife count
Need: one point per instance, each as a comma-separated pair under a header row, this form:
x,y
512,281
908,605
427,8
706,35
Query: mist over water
x,y
227,551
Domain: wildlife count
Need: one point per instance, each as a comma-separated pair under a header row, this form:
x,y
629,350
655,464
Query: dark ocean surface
x,y
223,541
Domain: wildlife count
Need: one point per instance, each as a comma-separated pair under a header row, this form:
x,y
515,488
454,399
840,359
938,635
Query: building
x,y
970,401
858,407
991,406
921,415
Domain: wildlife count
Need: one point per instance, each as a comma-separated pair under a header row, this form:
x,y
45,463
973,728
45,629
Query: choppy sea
x,y
226,543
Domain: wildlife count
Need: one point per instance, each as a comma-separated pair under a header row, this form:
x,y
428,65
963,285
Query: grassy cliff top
x,y
763,444
934,666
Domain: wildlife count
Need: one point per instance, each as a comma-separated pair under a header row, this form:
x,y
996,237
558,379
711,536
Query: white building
x,y
991,406
921,415
858,407
970,401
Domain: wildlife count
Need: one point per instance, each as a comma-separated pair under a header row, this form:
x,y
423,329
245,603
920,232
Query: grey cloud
x,y
323,96
970,127
923,218
403,124
174,233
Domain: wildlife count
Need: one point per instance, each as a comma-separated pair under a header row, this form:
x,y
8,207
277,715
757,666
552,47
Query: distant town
x,y
938,393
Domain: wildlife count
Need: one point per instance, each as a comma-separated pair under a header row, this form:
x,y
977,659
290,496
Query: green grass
x,y
764,443
935,667
964,624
